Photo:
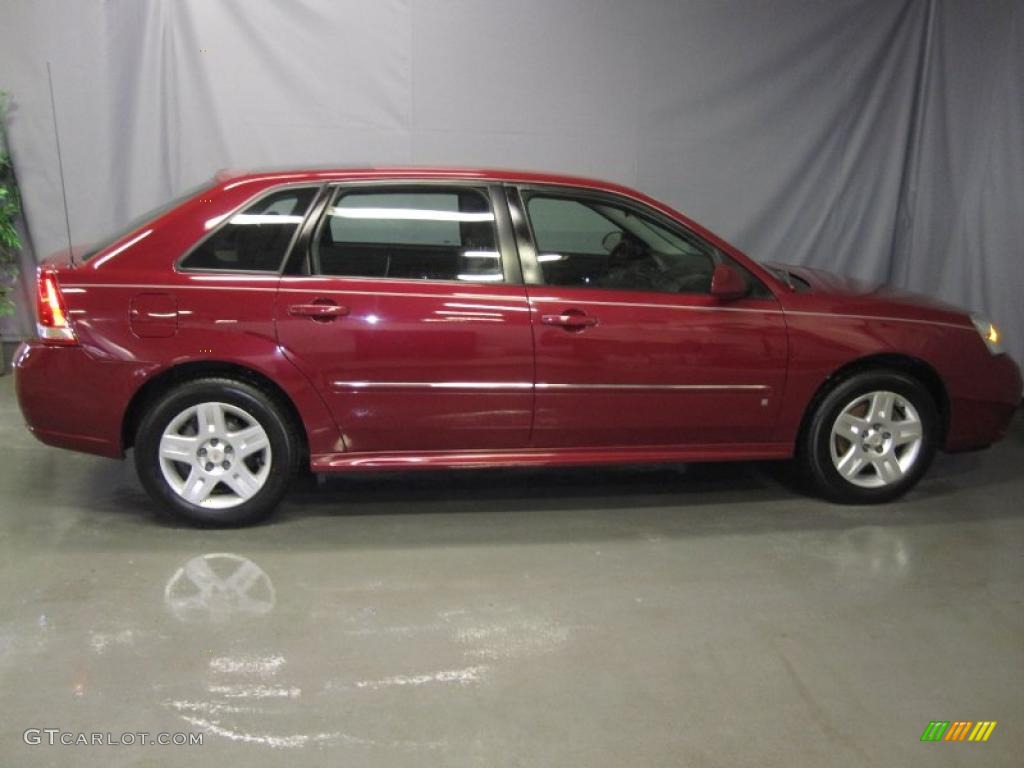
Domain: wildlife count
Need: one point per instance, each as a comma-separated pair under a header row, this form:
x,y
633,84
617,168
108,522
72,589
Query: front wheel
x,y
216,452
871,438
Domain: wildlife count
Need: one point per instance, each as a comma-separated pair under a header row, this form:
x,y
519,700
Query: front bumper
x,y
981,411
72,400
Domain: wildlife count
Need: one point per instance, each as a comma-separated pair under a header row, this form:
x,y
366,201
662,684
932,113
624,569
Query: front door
x,y
631,348
410,316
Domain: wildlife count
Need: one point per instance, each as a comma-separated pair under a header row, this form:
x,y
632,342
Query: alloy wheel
x,y
876,439
215,455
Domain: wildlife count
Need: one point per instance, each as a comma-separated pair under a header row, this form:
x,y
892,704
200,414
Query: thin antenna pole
x,y
60,165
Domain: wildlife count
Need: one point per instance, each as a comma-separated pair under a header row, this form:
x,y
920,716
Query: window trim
x,y
300,250
493,193
518,199
313,206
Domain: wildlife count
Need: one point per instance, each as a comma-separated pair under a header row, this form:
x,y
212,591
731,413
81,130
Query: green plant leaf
x,y
10,208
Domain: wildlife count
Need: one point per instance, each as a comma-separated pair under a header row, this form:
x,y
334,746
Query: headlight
x,y
989,334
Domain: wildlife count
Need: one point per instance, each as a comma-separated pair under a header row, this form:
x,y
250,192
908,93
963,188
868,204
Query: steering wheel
x,y
611,240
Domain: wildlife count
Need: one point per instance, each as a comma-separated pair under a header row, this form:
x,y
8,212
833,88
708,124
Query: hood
x,y
868,296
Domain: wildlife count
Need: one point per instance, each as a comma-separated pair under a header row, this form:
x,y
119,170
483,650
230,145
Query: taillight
x,y
53,325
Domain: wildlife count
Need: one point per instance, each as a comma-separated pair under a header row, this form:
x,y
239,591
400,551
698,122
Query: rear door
x,y
404,303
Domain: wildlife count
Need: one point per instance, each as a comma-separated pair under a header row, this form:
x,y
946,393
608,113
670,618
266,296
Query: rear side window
x,y
402,233
257,239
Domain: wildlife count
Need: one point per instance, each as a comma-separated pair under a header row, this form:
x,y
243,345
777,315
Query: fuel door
x,y
154,315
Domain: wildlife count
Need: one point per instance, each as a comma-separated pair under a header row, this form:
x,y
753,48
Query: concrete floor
x,y
701,616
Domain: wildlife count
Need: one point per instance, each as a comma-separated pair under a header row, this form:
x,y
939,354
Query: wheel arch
x,y
171,377
912,366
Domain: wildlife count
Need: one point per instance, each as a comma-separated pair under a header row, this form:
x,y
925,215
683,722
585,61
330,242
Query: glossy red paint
x,y
867,322
728,360
388,378
409,332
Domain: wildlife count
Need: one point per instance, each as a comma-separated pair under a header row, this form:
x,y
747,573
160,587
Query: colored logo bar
x,y
958,730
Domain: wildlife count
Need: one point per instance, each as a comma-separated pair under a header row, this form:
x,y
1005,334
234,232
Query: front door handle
x,y
318,310
571,319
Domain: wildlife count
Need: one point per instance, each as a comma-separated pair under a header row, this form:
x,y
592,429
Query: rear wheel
x,y
871,438
216,452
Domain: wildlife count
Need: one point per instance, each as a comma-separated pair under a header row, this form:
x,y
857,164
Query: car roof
x,y
232,177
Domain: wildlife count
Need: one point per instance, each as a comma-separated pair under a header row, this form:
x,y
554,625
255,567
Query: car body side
x,y
87,397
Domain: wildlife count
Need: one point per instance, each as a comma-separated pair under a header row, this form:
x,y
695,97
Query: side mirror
x,y
727,284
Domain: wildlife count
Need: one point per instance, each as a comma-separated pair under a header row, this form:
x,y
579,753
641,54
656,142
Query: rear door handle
x,y
318,311
570,319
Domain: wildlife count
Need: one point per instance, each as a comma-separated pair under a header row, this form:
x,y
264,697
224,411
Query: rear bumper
x,y
72,400
981,415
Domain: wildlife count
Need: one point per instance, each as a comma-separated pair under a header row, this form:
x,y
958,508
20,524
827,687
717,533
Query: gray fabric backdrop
x,y
881,138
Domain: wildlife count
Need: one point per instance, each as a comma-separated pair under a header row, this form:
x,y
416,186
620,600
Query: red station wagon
x,y
417,318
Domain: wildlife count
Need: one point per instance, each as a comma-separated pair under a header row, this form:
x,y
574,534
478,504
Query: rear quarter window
x,y
258,238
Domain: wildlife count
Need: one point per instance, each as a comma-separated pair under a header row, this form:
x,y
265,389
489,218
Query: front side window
x,y
257,239
592,243
406,233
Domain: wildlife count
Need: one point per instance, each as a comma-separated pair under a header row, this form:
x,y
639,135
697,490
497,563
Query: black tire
x,y
816,443
261,408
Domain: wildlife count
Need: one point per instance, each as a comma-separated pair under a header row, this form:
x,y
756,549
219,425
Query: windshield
x,y
138,221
